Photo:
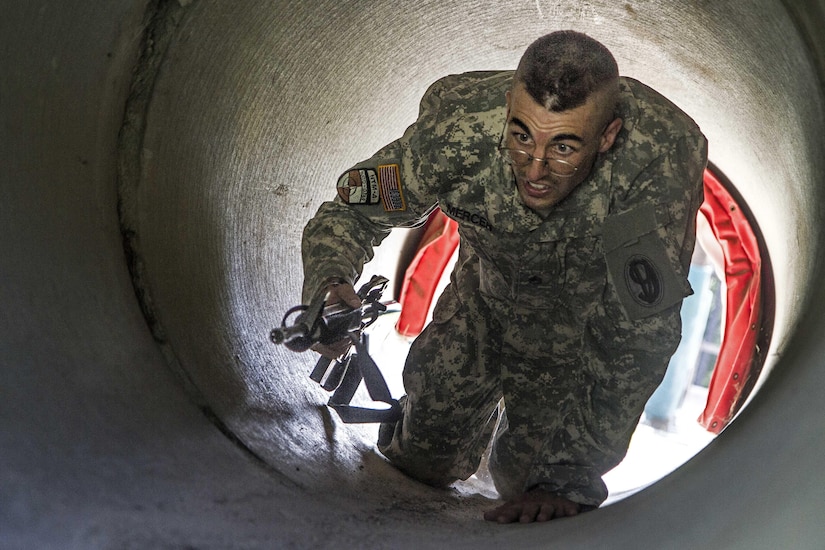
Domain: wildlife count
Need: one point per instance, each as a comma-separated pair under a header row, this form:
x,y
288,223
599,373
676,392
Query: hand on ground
x,y
534,505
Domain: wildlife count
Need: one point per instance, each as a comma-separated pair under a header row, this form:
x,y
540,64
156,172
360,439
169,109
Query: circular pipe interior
x,y
238,119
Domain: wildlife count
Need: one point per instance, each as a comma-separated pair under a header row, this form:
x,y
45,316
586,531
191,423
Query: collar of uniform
x,y
582,213
506,212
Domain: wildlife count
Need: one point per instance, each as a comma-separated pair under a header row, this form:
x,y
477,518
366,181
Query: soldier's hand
x,y
342,292
534,505
338,293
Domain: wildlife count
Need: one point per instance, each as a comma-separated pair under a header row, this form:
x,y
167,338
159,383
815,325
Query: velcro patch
x,y
392,195
359,187
645,280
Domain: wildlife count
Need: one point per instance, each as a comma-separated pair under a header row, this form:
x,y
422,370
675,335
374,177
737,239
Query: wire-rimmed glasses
x,y
557,167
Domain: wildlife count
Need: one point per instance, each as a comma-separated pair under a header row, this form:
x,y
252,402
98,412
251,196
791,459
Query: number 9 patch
x,y
638,264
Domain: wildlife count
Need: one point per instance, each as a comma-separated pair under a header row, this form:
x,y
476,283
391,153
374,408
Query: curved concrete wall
x,y
241,115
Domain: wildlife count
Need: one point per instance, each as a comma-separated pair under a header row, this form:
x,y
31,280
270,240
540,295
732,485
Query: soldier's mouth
x,y
536,189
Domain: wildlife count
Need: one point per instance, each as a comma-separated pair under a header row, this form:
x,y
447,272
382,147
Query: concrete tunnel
x,y
141,403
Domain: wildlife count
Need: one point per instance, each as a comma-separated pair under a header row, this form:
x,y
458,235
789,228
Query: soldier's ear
x,y
609,135
507,102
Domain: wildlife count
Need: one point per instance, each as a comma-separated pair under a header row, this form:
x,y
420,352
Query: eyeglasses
x,y
517,157
557,167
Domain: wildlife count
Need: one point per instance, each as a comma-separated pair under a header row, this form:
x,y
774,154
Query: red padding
x,y
421,278
743,278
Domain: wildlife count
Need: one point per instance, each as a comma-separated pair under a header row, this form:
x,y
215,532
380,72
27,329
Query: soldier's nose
x,y
536,170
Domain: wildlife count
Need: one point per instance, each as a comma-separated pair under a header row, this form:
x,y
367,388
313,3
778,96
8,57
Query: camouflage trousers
x,y
563,425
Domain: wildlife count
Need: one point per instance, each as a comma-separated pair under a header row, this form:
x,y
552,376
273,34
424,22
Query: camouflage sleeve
x,y
652,230
682,172
388,190
625,342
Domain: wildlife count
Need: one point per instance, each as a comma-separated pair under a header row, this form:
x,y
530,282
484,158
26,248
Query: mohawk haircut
x,y
562,69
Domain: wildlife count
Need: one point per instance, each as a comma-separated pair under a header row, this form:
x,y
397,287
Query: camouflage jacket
x,y
618,246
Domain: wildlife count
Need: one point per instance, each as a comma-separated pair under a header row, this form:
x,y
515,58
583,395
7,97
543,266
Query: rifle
x,y
326,324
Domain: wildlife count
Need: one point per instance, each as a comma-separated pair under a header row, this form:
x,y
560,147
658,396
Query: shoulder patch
x,y
373,186
392,195
359,187
644,278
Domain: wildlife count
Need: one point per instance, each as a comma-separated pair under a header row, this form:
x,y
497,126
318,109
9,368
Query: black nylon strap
x,y
320,369
361,366
349,384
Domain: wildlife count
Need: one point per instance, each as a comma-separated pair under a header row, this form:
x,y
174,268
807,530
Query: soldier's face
x,y
575,136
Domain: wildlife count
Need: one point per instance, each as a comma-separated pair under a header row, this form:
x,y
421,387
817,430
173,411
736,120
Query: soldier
x,y
576,192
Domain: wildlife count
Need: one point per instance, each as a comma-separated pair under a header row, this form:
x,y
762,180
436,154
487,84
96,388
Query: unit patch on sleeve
x,y
392,195
359,187
373,186
644,278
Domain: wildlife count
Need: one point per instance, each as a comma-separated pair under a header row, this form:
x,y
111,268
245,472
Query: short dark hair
x,y
560,70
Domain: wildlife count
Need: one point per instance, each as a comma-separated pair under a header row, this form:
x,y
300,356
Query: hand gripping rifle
x,y
318,323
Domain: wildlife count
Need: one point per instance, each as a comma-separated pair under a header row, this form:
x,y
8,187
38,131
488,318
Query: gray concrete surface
x,y
165,419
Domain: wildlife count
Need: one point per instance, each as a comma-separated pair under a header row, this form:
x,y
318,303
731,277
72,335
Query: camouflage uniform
x,y
571,318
